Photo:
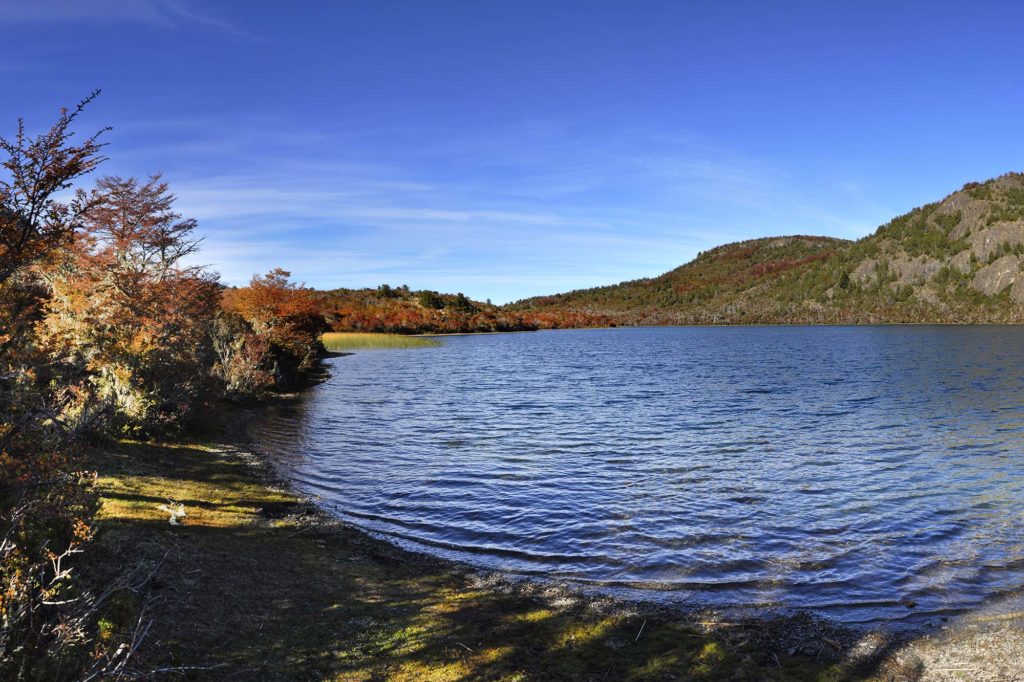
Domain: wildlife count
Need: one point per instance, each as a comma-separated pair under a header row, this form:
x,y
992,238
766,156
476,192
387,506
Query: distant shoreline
x,y
728,326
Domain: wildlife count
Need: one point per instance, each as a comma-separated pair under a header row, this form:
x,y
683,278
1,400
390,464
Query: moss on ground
x,y
256,584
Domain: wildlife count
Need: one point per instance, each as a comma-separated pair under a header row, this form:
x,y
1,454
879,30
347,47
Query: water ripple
x,y
847,470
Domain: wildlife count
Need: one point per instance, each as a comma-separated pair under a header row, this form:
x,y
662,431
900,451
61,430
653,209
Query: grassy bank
x,y
339,342
255,583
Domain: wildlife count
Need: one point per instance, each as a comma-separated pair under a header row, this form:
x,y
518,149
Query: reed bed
x,y
347,341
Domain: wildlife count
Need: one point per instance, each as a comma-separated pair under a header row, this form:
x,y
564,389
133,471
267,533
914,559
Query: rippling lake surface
x,y
841,469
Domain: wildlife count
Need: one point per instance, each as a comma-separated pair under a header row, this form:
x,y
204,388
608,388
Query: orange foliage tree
x,y
281,323
103,323
45,507
127,315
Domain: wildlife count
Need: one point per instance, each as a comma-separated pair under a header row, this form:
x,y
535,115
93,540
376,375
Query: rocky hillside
x,y
956,260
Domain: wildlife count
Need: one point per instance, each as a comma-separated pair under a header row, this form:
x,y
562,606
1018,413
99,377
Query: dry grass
x,y
338,342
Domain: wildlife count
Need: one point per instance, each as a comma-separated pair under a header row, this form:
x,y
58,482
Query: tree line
x,y
400,310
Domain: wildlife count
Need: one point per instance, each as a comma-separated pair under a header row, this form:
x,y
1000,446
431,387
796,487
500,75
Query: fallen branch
x,y
185,668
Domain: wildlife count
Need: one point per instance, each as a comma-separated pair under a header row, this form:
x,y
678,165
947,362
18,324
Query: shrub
x,y
283,323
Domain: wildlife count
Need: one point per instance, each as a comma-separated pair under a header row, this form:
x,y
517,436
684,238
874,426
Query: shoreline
x,y
263,582
233,567
854,325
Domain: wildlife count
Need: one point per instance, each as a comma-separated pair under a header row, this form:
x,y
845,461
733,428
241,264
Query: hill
x,y
955,260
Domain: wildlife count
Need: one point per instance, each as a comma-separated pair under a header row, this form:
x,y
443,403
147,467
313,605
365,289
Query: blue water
x,y
841,469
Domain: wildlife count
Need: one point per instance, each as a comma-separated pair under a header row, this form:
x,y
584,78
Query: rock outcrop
x,y
1002,273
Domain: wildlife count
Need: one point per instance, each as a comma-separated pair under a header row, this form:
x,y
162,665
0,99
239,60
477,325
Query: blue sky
x,y
506,149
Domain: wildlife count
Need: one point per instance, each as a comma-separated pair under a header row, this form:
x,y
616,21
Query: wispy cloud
x,y
167,14
534,213
154,12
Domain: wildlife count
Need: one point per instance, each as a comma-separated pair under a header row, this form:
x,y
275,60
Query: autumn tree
x,y
33,221
127,314
36,223
284,323
104,323
45,507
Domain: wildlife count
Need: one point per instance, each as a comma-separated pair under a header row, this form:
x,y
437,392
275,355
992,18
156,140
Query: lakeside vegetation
x,y
106,332
401,310
339,342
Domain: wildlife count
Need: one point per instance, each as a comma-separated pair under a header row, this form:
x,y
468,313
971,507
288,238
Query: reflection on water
x,y
848,470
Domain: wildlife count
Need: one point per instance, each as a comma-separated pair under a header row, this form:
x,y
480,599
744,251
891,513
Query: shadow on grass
x,y
243,595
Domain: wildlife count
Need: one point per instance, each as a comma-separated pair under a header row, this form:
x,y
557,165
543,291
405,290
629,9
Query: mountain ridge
x,y
959,259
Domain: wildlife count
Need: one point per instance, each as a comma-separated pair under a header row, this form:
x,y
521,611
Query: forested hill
x,y
400,310
956,260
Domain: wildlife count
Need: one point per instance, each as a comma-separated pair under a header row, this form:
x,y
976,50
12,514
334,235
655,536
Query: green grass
x,y
346,341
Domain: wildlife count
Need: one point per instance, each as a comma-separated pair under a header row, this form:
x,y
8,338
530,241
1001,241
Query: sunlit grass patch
x,y
210,490
534,616
344,341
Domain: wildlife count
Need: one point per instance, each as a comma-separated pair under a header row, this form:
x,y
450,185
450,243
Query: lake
x,y
872,474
